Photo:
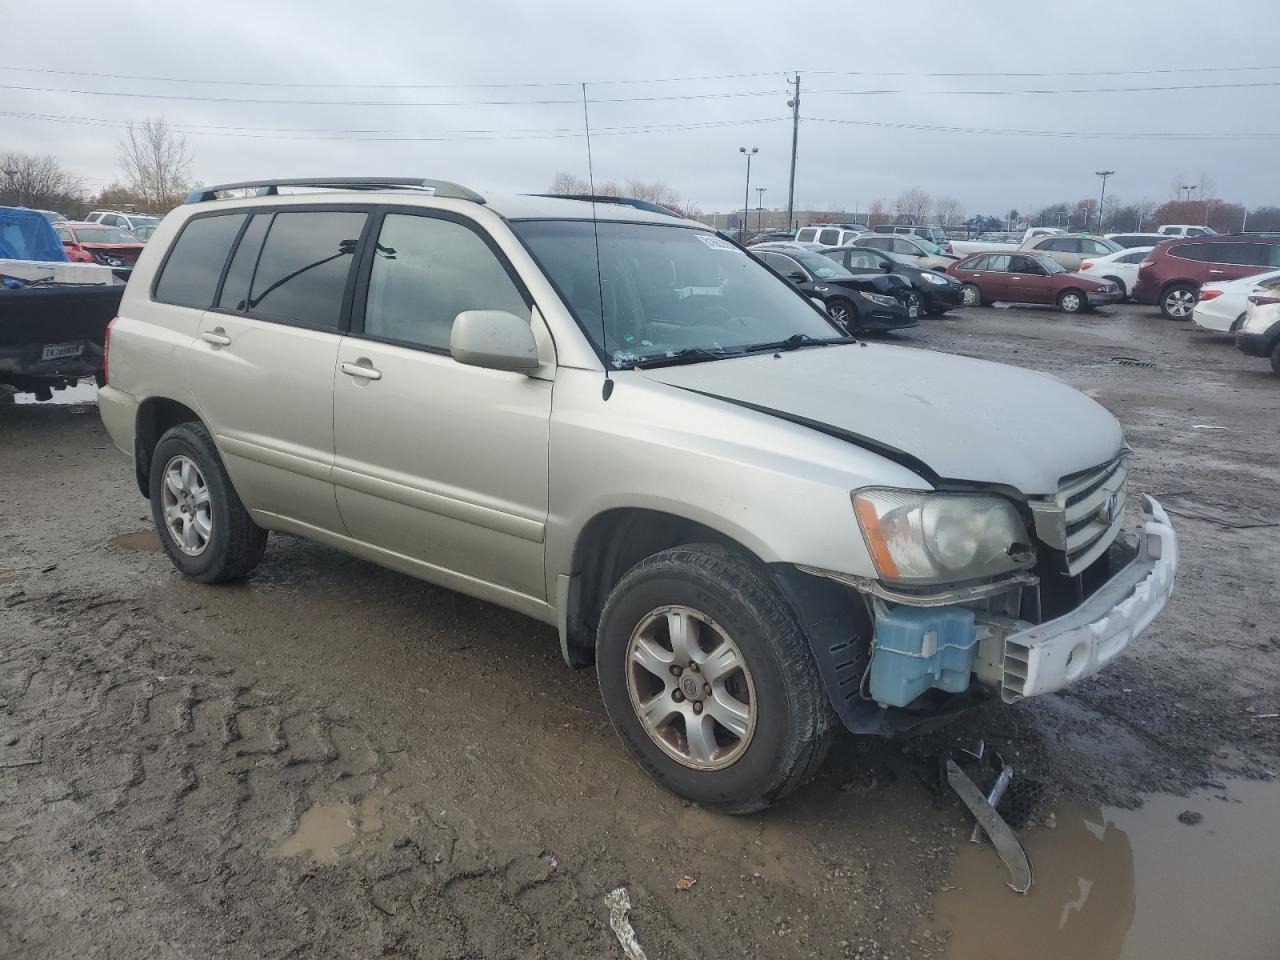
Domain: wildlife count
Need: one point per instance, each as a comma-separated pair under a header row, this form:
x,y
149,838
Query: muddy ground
x,y
331,759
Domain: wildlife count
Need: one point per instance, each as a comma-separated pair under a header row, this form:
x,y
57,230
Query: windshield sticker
x,y
714,242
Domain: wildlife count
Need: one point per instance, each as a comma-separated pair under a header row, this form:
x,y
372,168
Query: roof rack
x,y
624,201
271,188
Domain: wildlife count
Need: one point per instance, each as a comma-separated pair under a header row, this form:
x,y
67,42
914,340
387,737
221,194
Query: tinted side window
x,y
1193,251
109,219
235,289
806,235
979,263
1023,265
1251,254
191,272
306,259
425,272
998,261
829,237
1096,248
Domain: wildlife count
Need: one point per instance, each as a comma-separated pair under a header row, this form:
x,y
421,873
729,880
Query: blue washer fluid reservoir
x,y
921,647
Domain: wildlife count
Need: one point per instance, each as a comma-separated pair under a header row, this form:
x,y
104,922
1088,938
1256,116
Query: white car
x,y
1121,267
1222,305
1259,334
1185,230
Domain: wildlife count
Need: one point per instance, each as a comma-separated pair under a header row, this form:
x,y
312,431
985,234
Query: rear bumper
x,y
1214,322
26,361
119,412
1145,293
1055,654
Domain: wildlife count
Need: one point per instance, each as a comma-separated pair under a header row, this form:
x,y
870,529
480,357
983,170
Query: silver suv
x,y
621,423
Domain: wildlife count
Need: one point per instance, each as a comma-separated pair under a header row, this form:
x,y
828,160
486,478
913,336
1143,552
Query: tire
x,y
211,537
1124,291
784,721
844,313
1177,301
1072,300
1275,358
936,311
972,296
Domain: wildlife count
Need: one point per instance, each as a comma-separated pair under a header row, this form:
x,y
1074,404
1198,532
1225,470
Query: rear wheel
x,y
1177,301
204,527
708,680
1072,301
1275,358
972,296
844,313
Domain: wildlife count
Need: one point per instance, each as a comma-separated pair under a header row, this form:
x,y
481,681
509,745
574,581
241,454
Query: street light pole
x,y
1188,187
746,193
760,206
1104,174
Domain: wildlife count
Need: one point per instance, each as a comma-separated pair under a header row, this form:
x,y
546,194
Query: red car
x,y
1171,275
94,243
1028,278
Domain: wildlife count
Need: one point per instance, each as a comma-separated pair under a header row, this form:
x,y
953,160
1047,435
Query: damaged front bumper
x,y
1024,660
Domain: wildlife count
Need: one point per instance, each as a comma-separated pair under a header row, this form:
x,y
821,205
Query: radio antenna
x,y
607,391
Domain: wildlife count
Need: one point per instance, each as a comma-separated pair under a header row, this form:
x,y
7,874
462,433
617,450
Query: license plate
x,y
913,312
56,351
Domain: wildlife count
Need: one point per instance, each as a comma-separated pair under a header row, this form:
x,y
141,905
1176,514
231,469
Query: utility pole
x,y
746,193
794,104
1103,199
759,206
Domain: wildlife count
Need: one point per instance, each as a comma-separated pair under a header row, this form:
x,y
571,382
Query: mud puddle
x,y
146,540
86,391
1113,884
325,830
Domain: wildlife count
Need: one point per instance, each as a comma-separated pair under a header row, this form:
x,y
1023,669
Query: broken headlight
x,y
921,538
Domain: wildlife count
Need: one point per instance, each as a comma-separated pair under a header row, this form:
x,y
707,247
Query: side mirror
x,y
888,267
797,276
493,339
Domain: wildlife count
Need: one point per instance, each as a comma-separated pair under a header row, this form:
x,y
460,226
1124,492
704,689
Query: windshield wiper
x,y
796,341
686,355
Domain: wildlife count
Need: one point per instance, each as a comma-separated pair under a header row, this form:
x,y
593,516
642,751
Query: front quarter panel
x,y
779,489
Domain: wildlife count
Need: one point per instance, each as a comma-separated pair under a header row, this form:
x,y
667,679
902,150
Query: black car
x,y
934,293
770,236
861,303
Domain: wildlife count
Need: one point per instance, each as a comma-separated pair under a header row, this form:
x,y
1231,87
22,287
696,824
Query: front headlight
x,y
932,278
921,538
879,298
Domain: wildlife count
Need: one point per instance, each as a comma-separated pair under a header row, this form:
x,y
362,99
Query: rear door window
x,y
806,235
829,238
304,266
191,271
998,262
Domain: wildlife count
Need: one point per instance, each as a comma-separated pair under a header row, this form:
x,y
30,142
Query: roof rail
x,y
271,188
624,201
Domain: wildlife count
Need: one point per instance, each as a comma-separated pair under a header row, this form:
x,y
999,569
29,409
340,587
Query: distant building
x,y
758,220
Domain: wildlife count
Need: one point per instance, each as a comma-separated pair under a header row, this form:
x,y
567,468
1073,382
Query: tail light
x,y
1087,265
1261,301
1209,294
106,353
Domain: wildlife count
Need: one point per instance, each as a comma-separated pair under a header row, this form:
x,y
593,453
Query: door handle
x,y
1215,271
217,336
361,368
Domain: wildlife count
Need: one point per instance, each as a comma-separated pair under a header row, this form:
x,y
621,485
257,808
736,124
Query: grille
x,y
1085,515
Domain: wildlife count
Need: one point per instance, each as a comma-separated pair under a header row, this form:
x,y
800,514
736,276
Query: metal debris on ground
x,y
994,797
977,750
1186,505
1006,844
685,882
619,903
1021,803
1132,362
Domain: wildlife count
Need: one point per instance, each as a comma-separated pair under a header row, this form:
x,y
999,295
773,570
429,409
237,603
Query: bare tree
x,y
566,183
30,180
655,191
947,210
876,215
1145,210
156,163
913,204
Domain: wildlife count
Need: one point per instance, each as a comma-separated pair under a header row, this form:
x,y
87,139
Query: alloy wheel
x,y
691,688
1179,303
188,513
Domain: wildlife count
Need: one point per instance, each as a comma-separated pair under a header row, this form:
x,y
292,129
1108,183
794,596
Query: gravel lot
x,y
331,759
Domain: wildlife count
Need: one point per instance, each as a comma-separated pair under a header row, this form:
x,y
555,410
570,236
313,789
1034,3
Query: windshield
x,y
666,289
104,235
1050,265
144,221
820,266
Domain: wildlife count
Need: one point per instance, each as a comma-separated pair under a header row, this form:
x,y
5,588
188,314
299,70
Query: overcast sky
x,y
847,47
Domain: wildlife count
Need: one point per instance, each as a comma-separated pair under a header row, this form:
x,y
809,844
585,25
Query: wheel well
x,y
611,544
155,416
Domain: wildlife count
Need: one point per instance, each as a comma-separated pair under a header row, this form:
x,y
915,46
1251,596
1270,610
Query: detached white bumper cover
x,y
1054,654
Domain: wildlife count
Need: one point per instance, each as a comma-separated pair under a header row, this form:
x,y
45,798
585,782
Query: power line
x,y
1065,134
1049,91
1040,73
406,136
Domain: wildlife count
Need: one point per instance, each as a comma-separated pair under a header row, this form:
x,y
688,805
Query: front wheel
x,y
972,295
1072,301
1177,302
844,313
709,681
204,527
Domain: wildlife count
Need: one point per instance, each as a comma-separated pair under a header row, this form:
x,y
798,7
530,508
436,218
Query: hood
x,y
887,283
960,419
